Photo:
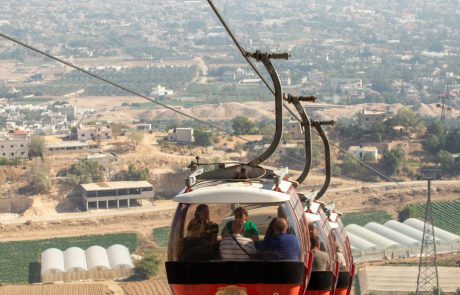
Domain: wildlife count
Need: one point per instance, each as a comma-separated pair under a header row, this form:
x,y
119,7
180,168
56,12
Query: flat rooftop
x,y
103,186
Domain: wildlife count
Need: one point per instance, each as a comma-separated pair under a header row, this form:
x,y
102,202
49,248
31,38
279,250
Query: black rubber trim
x,y
235,272
343,281
321,280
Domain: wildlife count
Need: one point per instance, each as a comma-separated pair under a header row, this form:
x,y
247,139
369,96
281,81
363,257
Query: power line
x,y
243,53
173,109
129,90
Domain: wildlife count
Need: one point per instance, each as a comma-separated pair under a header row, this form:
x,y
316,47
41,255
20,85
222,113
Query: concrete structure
x,y
161,91
365,152
143,127
295,130
96,263
14,145
72,147
101,158
115,194
367,118
182,135
96,132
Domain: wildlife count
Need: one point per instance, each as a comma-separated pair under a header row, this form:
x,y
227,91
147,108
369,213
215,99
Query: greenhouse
x,y
392,235
360,244
380,241
96,263
75,260
52,261
96,258
445,236
119,257
406,230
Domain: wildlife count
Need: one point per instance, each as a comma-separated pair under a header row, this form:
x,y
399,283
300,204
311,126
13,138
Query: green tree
x,y
393,160
36,146
148,266
134,173
453,141
202,137
433,143
88,171
136,138
448,162
242,125
411,121
40,183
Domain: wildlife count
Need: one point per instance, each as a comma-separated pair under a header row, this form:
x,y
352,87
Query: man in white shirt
x,y
236,247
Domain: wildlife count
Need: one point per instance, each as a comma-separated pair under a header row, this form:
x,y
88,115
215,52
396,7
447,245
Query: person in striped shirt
x,y
237,247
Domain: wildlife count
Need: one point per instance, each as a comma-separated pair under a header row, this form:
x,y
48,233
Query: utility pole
x,y
428,279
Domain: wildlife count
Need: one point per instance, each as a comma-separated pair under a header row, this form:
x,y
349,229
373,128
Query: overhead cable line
x,y
246,57
243,53
117,85
130,90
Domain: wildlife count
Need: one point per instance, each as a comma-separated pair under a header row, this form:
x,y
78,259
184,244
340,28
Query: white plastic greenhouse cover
x,y
392,234
119,257
96,257
52,260
75,260
378,240
439,233
360,244
405,230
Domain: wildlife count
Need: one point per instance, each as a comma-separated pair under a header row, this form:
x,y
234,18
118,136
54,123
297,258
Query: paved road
x,y
163,206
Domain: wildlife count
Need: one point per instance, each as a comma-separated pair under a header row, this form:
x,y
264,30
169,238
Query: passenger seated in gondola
x,y
282,245
250,229
321,260
315,235
236,247
282,214
201,240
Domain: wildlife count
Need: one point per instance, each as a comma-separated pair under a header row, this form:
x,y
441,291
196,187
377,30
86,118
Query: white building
x,y
96,132
14,145
161,91
364,152
182,135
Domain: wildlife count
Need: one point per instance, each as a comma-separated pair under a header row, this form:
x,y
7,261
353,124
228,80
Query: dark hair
x,y
280,225
198,210
314,242
243,210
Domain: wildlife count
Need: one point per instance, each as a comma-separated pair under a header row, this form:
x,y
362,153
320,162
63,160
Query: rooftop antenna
x,y
428,279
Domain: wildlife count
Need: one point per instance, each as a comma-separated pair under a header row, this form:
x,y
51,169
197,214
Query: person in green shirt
x,y
250,229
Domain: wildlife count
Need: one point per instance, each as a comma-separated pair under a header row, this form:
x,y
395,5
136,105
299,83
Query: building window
x,y
3,154
22,153
12,145
22,145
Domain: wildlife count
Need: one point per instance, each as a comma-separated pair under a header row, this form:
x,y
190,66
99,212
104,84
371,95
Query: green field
x,y
160,236
446,215
361,218
19,261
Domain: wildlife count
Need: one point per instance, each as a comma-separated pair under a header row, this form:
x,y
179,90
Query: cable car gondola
x,y
194,265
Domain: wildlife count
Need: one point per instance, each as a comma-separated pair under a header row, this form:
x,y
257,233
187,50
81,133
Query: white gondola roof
x,y
52,260
392,234
235,192
378,240
119,257
439,233
75,259
96,257
406,230
361,244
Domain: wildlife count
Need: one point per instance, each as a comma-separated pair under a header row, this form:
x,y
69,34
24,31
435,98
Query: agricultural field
x,y
151,287
446,215
20,261
58,289
160,236
362,218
